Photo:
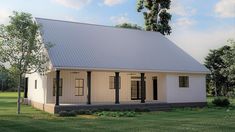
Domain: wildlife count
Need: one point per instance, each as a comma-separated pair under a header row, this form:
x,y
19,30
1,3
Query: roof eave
x,y
129,70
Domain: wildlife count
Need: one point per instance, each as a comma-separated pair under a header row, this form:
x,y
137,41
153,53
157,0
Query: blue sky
x,y
197,25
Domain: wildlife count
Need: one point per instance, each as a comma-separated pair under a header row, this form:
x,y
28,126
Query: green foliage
x,y
22,48
21,45
67,113
129,25
156,15
221,63
221,101
229,61
84,112
142,110
8,82
117,113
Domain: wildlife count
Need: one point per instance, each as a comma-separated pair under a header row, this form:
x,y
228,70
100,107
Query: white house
x,y
93,66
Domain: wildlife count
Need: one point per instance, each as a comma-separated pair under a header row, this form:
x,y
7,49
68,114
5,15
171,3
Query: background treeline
x,y
221,63
8,81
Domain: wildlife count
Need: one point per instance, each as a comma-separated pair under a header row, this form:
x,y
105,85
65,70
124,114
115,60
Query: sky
x,y
197,25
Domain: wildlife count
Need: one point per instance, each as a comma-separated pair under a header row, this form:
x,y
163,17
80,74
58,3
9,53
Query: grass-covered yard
x,y
206,119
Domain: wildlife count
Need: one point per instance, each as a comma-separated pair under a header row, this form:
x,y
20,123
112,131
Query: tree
x,y
155,15
129,25
8,82
22,48
229,61
221,63
3,77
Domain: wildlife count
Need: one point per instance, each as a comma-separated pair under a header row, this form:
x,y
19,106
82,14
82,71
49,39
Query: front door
x,y
155,92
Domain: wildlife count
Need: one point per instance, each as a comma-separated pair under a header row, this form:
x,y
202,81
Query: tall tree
x,y
22,48
229,61
155,15
129,25
221,63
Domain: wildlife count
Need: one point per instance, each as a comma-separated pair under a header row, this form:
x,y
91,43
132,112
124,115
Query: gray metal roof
x,y
94,47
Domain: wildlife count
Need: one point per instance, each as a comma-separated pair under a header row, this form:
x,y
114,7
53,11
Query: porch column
x,y
116,87
142,88
89,87
57,87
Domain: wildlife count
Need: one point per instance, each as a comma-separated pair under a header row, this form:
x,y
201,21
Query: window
x,y
79,87
35,84
183,81
136,89
60,86
112,80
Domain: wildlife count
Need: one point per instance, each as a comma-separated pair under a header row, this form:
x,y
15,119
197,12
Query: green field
x,y
206,119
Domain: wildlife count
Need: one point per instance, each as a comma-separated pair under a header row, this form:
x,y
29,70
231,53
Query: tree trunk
x,y
216,89
2,86
19,95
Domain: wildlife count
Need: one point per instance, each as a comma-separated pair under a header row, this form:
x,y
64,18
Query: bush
x,y
117,113
142,110
67,113
221,101
84,112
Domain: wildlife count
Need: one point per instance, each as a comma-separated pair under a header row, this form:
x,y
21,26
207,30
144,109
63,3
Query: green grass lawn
x,y
206,119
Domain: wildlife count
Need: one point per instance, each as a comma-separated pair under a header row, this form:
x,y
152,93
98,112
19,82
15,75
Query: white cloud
x,y
198,43
225,8
75,4
4,16
178,8
185,22
123,18
113,2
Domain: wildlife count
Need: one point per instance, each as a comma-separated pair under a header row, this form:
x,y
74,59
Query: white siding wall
x,y
68,88
36,95
100,91
161,78
168,87
195,93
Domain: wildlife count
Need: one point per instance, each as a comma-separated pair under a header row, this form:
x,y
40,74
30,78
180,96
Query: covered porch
x,y
80,88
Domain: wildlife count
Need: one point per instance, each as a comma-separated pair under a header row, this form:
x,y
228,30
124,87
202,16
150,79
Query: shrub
x,y
84,112
117,113
67,113
142,110
221,101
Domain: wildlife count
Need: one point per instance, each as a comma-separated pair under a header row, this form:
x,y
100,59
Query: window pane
x,y
183,81
80,91
81,82
134,88
79,87
76,83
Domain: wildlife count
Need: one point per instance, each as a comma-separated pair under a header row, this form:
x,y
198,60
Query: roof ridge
x,y
66,21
